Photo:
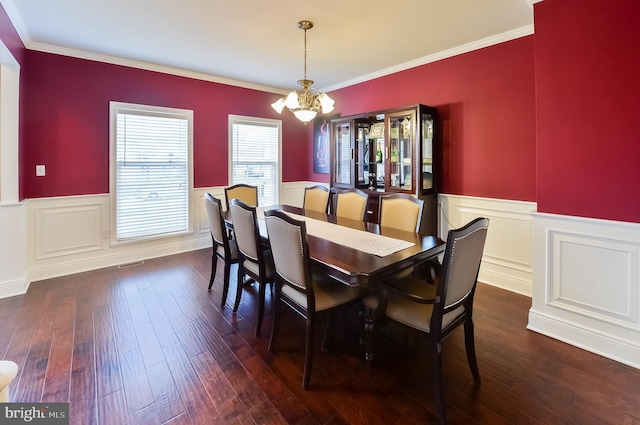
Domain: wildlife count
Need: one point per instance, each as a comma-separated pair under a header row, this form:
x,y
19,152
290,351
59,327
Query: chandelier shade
x,y
307,102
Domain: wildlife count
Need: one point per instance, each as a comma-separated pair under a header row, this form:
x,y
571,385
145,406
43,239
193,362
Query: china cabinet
x,y
391,151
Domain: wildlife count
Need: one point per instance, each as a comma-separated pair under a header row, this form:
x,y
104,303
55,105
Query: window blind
x,y
152,170
255,156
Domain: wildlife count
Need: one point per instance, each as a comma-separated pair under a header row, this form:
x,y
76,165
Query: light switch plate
x,y
40,170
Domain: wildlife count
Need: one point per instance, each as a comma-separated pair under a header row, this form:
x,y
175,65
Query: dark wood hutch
x,y
390,151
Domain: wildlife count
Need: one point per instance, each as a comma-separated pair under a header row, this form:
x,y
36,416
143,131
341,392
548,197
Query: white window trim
x,y
114,108
241,119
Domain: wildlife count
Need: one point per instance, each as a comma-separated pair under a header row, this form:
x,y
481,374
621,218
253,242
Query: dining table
x,y
356,252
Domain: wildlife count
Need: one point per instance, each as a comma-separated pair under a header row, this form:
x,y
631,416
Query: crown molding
x,y
465,48
47,48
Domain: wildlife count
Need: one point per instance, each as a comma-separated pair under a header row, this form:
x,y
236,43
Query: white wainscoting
x,y
507,261
51,237
70,235
13,250
67,235
583,274
587,284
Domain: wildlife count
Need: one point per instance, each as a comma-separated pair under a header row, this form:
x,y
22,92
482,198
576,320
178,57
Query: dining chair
x,y
433,312
351,204
310,294
255,260
401,211
316,198
248,194
224,246
8,371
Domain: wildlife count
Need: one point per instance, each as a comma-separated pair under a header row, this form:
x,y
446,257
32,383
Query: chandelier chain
x,y
305,54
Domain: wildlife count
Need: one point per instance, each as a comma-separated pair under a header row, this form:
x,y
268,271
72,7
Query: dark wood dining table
x,y
355,267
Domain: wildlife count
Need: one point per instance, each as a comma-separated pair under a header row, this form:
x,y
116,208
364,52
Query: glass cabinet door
x,y
343,174
362,155
427,151
400,155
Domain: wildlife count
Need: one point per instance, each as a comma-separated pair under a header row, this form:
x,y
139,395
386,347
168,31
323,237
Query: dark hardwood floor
x,y
148,344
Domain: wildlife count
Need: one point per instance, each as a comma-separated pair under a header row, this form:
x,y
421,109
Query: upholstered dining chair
x,y
8,371
351,204
224,247
433,312
247,193
401,211
311,295
255,260
316,198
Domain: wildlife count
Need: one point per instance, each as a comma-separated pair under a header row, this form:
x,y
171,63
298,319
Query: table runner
x,y
361,240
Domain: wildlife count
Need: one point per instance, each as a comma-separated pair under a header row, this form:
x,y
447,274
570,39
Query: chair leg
x,y
308,352
225,288
328,333
275,329
261,295
214,266
470,346
239,286
438,383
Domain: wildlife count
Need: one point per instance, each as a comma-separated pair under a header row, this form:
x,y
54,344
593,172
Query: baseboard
x,y
603,344
13,288
506,281
64,268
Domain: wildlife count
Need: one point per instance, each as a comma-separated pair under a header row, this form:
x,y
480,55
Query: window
x,y
150,168
254,155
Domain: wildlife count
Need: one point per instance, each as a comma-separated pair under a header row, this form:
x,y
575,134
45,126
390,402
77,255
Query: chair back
x,y
461,264
247,193
217,227
401,211
316,198
288,240
352,204
245,227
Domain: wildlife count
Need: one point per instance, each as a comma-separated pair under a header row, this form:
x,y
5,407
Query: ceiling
x,y
257,44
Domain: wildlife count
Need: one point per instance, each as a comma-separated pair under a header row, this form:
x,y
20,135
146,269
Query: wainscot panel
x,y
587,284
70,234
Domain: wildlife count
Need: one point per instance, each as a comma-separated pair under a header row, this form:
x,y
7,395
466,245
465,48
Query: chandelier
x,y
305,103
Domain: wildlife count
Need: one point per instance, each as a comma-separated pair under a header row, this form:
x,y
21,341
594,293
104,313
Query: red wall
x,y
486,102
577,88
588,105
65,122
10,37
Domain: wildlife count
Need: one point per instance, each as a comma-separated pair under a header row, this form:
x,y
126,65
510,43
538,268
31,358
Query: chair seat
x,y
270,270
409,312
328,293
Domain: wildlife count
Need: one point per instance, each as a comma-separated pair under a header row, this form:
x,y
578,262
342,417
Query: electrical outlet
x,y
40,170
